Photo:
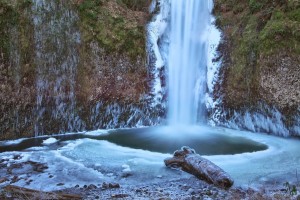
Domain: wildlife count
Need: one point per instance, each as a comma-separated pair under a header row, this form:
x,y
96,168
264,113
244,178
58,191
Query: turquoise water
x,y
205,140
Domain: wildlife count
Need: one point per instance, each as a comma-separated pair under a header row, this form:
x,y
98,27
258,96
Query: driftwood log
x,y
187,160
25,193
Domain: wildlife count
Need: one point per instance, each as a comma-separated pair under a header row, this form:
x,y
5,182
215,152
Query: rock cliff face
x,y
73,65
16,74
260,52
82,64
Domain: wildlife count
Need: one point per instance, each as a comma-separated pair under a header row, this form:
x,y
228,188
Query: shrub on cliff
x,y
253,31
141,5
113,25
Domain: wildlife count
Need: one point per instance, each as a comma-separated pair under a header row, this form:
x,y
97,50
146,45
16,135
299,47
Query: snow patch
x,y
24,157
110,174
126,168
37,148
72,145
49,141
12,142
98,132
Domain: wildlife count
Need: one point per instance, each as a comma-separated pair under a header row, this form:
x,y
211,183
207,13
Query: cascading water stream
x,y
187,61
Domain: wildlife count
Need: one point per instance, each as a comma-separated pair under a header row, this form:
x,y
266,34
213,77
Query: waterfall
x,y
187,61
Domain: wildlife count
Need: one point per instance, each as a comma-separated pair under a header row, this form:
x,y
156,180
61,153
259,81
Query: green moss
x,y
294,15
242,73
135,4
89,4
12,15
280,34
255,29
112,31
238,8
255,5
8,18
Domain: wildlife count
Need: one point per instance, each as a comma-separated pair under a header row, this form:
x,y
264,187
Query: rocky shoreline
x,y
187,188
172,188
181,189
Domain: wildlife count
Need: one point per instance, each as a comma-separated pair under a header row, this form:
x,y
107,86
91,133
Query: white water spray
x,y
190,21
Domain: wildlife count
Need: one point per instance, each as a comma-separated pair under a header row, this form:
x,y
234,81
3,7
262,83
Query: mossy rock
x,y
141,5
253,31
110,24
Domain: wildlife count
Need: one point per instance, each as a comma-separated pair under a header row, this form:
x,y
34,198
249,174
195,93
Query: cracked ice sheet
x,y
62,169
110,159
87,161
12,142
277,164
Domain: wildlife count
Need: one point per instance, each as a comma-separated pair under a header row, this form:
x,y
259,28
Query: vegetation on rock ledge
x,y
113,27
110,71
17,72
259,38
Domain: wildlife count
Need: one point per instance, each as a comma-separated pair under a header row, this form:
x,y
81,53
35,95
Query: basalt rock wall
x,y
72,66
260,55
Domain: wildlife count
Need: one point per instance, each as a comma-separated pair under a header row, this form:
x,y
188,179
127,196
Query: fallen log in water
x,y
25,193
193,163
